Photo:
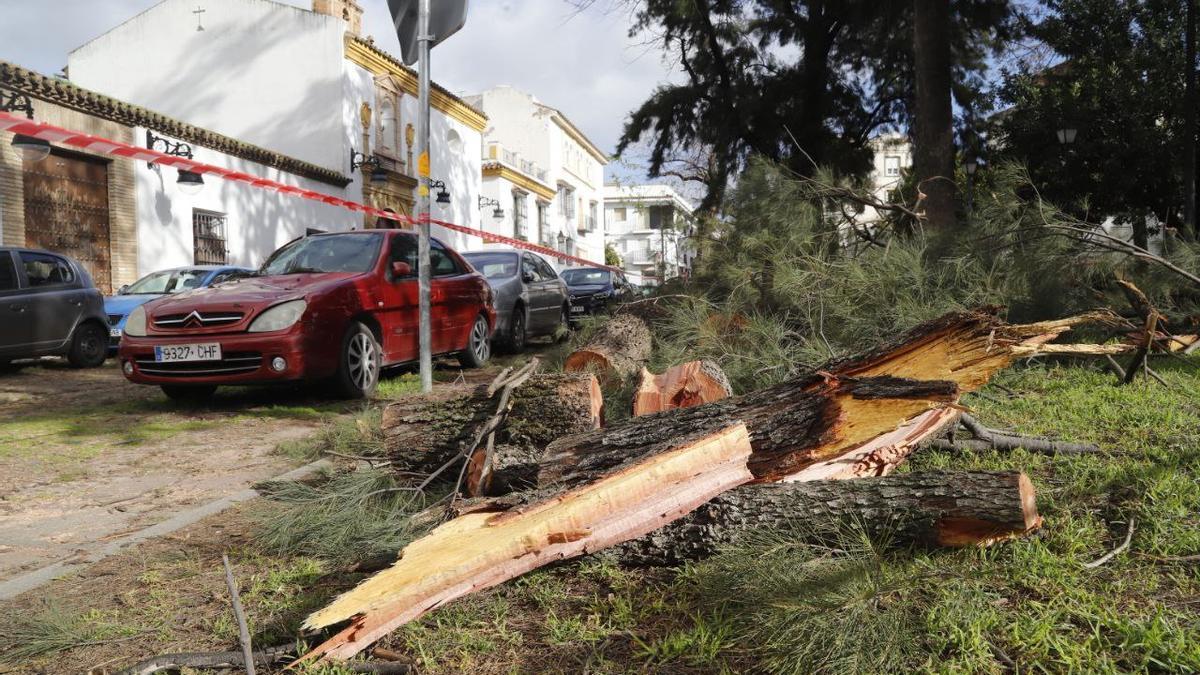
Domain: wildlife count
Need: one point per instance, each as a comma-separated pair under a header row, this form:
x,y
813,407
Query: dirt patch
x,y
86,457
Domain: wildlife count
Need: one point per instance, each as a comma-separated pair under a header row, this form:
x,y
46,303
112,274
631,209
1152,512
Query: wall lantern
x,y
1066,135
189,182
971,166
485,202
443,197
33,149
359,160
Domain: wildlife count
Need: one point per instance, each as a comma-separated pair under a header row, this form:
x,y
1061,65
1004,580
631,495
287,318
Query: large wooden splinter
x,y
483,548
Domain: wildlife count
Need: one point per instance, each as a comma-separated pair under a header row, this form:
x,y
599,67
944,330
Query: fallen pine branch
x,y
1044,446
1116,551
240,617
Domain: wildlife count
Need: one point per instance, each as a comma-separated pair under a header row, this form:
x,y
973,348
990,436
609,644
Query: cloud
x,y
582,62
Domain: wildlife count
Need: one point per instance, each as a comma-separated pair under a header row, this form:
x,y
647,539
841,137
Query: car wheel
x,y
479,349
189,393
89,346
359,363
517,333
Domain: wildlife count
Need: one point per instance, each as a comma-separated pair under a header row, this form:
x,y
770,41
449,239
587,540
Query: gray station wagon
x,y
50,307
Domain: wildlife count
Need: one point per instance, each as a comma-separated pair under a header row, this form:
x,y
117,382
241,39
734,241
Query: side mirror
x,y
123,289
527,277
401,269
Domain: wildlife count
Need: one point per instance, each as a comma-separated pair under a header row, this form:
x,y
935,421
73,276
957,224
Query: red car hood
x,y
248,294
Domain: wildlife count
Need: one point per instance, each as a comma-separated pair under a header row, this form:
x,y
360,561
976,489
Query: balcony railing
x,y
640,257
514,159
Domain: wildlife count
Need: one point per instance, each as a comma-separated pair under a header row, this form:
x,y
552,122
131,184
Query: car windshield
x,y
493,265
354,253
585,277
167,281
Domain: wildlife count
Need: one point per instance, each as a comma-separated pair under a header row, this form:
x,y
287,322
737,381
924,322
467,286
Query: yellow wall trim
x,y
577,136
492,169
380,62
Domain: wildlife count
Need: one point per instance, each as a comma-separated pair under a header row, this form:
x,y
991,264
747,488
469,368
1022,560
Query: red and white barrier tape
x,y
19,125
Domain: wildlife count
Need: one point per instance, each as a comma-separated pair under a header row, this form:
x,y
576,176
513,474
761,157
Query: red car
x,y
334,307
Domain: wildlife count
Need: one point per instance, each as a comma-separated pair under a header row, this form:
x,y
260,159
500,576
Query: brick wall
x,y
122,207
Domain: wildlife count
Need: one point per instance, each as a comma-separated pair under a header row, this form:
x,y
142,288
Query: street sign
x,y
446,17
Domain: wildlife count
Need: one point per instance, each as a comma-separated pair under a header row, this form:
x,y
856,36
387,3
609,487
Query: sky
x,y
582,62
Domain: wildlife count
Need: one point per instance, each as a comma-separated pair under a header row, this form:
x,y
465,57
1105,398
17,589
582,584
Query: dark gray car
x,y
50,307
531,299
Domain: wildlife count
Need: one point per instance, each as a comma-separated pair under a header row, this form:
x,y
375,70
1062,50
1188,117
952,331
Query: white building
x,y
299,83
649,226
546,175
892,156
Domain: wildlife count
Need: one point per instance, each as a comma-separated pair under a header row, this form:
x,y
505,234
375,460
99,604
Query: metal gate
x,y
66,211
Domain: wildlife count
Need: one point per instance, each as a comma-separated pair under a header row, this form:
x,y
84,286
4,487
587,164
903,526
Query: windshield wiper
x,y
303,270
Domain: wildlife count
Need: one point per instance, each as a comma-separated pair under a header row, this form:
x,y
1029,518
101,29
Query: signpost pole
x,y
423,202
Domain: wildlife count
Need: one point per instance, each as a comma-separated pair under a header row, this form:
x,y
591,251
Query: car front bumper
x,y
246,358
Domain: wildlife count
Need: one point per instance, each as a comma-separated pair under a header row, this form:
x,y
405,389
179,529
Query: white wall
x,y
263,72
258,221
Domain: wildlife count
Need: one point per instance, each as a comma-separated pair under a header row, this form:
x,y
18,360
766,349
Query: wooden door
x,y
66,211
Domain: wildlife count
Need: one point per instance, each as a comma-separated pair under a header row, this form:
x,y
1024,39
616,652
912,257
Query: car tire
x,y
89,346
518,331
359,362
479,348
189,393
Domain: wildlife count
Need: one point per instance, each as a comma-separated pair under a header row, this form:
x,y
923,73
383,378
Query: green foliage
x,y
54,629
797,82
360,435
611,257
350,517
1120,84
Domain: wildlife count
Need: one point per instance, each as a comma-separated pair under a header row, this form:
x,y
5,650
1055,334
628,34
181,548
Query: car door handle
x,y
77,303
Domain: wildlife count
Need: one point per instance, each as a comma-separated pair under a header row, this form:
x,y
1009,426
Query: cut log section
x,y
681,386
423,432
616,352
656,482
856,417
975,508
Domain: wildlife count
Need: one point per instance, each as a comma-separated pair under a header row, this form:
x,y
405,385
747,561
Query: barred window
x,y
520,216
208,238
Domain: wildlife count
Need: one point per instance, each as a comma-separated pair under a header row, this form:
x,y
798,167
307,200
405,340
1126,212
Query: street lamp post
x,y
971,166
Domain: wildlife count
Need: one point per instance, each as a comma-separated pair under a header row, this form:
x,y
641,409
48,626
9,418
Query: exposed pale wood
x,y
975,508
682,386
481,549
616,352
1069,349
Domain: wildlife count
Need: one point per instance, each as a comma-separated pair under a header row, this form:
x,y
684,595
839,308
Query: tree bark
x,y
659,480
933,121
682,386
616,352
423,432
974,508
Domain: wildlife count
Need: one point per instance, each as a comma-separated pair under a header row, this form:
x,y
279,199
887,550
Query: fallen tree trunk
x,y
616,352
855,417
682,386
974,508
658,479
421,433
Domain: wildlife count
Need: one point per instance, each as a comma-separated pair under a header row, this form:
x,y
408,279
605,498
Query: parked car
x,y
531,299
334,307
51,308
593,290
158,284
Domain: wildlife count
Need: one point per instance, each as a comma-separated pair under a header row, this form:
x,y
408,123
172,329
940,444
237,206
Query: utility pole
x,y
424,331
1189,123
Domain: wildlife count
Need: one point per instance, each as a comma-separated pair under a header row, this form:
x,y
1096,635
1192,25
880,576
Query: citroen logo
x,y
194,319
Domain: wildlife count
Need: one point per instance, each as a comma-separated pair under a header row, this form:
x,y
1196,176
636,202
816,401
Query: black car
x,y
594,290
50,308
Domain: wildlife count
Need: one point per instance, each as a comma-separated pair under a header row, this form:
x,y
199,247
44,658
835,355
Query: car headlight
x,y
279,317
135,325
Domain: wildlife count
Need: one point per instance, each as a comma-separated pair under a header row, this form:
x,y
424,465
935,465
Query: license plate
x,y
577,310
114,332
202,352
